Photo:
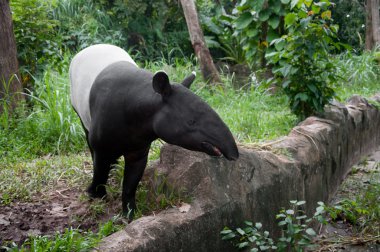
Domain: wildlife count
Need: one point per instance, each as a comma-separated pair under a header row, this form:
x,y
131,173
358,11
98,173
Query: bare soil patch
x,y
53,211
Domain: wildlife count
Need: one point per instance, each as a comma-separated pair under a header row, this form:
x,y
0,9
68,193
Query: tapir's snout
x,y
224,145
230,150
232,154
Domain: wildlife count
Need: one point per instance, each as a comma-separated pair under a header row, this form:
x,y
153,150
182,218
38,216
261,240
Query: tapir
x,y
123,108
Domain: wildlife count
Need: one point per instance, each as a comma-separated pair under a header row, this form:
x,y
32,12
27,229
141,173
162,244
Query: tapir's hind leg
x,y
135,163
102,167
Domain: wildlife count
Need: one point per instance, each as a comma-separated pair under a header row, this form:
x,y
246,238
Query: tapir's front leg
x,y
135,163
102,167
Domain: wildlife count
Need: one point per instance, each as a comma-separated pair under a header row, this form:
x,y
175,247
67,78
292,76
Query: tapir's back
x,y
84,69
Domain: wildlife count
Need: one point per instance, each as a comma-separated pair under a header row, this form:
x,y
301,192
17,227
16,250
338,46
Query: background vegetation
x,y
246,33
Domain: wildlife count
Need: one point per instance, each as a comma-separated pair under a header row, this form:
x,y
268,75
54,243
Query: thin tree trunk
x,y
368,26
9,85
375,22
372,24
208,69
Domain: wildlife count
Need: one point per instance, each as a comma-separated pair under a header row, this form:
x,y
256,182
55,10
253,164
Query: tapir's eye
x,y
191,122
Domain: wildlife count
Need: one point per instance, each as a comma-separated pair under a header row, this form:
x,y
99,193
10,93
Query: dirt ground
x,y
54,211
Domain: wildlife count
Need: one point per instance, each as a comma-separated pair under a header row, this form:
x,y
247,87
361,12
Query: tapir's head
x,y
184,119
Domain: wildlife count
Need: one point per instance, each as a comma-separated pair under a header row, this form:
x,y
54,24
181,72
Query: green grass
x,y
360,75
70,240
22,180
47,124
253,115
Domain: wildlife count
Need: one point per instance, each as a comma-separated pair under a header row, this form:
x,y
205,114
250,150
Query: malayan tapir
x,y
123,108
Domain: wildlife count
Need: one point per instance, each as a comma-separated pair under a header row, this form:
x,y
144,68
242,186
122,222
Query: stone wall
x,y
309,165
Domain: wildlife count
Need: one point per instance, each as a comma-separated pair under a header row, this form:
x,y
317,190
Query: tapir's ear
x,y
161,83
189,80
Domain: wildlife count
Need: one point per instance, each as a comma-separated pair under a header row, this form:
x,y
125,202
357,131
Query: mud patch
x,y
54,211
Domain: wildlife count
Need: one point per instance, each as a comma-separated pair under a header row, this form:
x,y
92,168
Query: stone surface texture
x,y
309,164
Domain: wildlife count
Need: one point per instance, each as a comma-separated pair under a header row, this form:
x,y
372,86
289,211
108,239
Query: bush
x,y
301,58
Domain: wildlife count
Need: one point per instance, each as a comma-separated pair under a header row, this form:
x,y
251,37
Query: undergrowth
x,y
45,124
362,212
296,231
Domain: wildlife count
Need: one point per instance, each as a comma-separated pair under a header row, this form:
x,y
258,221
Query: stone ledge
x,y
256,186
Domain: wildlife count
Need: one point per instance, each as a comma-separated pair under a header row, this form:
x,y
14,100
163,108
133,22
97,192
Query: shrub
x,y
301,58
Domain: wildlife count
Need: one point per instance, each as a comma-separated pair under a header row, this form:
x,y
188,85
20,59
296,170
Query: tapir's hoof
x,y
129,215
129,212
97,192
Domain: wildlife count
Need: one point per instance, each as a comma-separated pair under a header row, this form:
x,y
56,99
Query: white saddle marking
x,y
84,68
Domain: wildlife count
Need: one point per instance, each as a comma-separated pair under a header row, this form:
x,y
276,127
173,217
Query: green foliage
x,y
296,233
258,23
38,43
301,58
45,30
83,23
222,38
250,236
163,30
363,212
70,240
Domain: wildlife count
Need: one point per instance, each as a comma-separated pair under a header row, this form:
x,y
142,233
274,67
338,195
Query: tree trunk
x,y
372,24
10,86
376,22
208,69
